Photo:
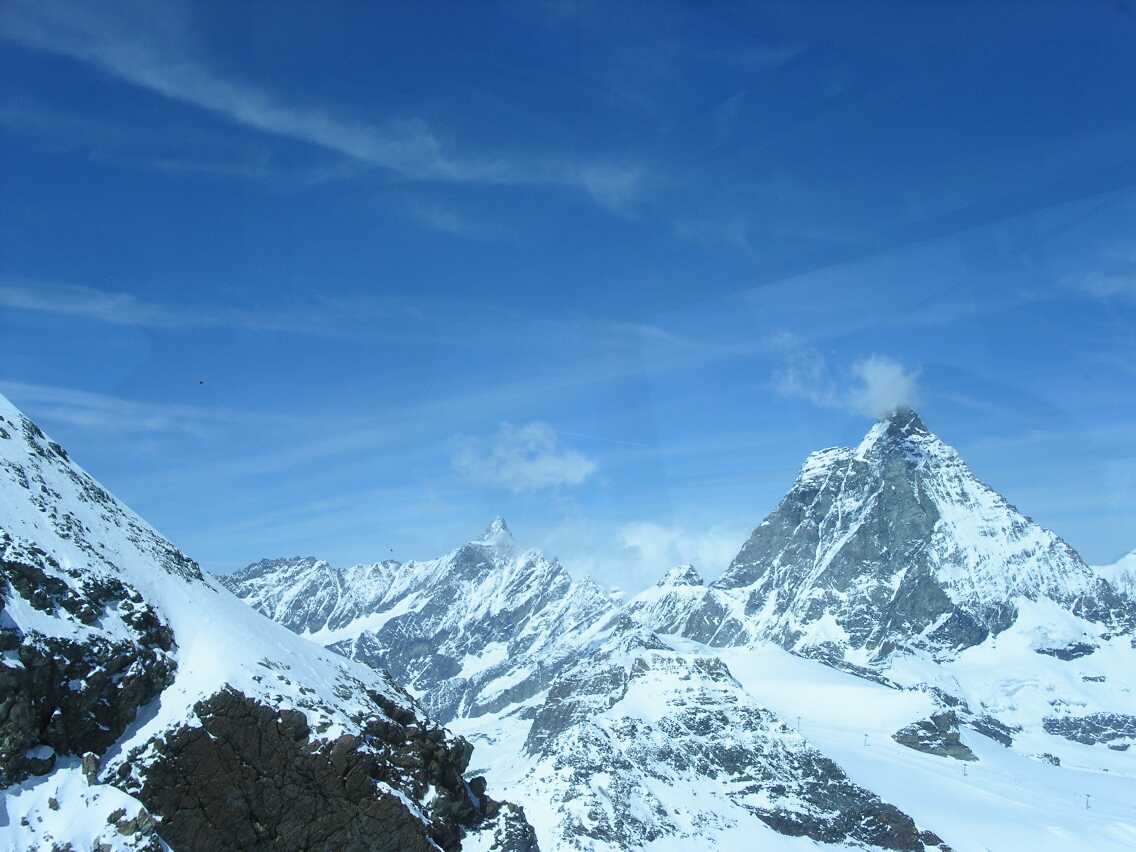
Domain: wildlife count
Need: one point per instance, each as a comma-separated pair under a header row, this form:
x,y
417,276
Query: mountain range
x,y
897,658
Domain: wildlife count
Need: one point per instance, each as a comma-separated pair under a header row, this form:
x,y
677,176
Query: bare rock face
x,y
250,777
937,735
1117,730
70,696
508,830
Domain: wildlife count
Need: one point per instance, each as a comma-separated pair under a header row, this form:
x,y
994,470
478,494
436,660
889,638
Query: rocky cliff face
x,y
140,702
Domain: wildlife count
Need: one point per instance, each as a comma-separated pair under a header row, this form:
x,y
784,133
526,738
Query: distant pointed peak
x,y
497,535
682,575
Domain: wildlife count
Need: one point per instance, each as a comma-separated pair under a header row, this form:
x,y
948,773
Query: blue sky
x,y
349,281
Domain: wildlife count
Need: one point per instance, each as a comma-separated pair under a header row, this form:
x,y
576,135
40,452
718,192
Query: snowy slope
x,y
1010,797
115,643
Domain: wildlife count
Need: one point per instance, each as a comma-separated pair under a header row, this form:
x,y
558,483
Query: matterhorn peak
x,y
497,535
904,420
682,575
902,425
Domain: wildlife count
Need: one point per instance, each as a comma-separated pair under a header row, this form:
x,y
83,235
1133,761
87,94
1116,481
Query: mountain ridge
x,y
144,704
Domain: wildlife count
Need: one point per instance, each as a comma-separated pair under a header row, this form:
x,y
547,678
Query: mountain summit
x,y
892,544
497,535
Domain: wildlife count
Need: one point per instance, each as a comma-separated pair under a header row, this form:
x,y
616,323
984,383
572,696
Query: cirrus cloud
x,y
521,458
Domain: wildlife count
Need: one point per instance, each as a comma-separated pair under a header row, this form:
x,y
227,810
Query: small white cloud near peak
x,y
521,458
883,386
878,385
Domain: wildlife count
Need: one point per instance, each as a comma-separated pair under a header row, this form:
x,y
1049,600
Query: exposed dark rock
x,y
509,830
67,697
90,767
984,724
990,727
937,735
1072,651
1093,728
250,777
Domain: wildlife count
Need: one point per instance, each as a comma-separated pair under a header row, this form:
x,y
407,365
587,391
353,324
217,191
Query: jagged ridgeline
x,y
141,704
674,720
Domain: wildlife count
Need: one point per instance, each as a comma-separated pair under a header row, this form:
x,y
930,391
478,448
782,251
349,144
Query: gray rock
x,y
90,767
937,735
1093,728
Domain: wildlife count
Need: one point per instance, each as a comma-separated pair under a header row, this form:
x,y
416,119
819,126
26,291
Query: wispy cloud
x,y
321,316
882,385
1113,277
448,220
103,412
659,547
86,302
635,554
874,386
522,458
607,353
155,59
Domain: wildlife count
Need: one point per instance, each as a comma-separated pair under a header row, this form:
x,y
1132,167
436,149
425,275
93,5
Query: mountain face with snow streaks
x,y
892,545
474,630
141,704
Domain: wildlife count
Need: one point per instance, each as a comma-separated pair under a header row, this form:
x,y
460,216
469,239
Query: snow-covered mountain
x,y
891,545
896,655
142,704
1121,574
475,630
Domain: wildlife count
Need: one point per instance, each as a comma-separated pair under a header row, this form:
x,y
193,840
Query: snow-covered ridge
x,y
463,631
